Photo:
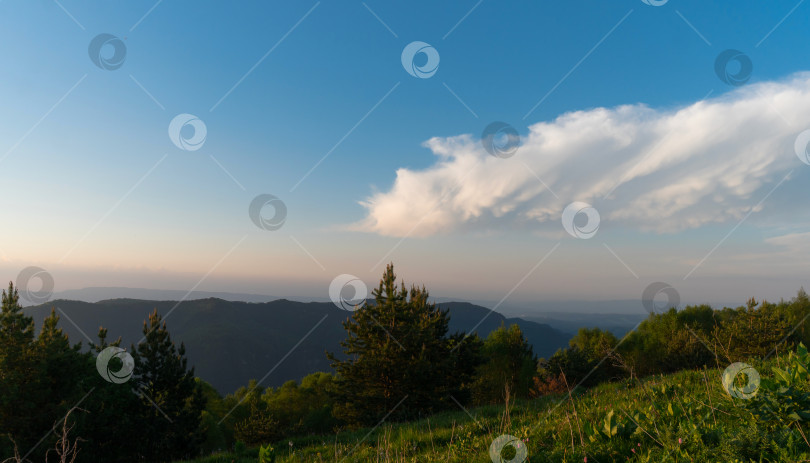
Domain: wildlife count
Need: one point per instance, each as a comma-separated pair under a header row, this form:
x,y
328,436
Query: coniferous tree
x,y
110,407
62,375
61,363
18,375
400,361
171,400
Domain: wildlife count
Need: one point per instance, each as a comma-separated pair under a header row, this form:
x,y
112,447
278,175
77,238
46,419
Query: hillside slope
x,y
683,417
229,343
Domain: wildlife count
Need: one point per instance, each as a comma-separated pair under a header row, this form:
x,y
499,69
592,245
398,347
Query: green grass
x,y
686,416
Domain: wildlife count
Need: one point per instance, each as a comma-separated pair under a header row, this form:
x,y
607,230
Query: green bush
x,y
267,454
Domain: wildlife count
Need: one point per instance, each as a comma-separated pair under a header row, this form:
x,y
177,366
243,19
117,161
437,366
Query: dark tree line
x,y
154,416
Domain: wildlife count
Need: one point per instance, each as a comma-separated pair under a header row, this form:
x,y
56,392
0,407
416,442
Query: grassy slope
x,y
691,406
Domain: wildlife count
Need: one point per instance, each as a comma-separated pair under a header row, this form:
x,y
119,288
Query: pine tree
x,y
62,375
172,401
61,362
110,407
18,374
399,359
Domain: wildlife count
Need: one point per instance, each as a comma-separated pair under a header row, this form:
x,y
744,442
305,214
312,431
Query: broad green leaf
x,y
781,375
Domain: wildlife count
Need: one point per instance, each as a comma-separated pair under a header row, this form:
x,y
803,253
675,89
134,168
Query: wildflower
x,y
680,441
290,444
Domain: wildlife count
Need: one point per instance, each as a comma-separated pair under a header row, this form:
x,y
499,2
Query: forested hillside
x,y
232,342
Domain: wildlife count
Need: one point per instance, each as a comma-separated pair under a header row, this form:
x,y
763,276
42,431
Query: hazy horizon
x,y
519,309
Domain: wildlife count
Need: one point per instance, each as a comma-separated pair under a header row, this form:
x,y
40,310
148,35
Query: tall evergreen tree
x,y
62,376
18,374
61,364
399,362
172,401
110,408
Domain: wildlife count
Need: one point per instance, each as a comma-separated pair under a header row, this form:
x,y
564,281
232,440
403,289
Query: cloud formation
x,y
653,170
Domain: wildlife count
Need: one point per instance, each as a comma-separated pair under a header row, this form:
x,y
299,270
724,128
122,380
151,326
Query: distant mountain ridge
x,y
231,342
101,293
617,323
525,309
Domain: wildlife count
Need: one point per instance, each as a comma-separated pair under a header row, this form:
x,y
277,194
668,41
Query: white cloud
x,y
794,242
653,170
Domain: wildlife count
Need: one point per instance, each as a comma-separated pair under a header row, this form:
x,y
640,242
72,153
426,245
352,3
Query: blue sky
x,y
100,196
